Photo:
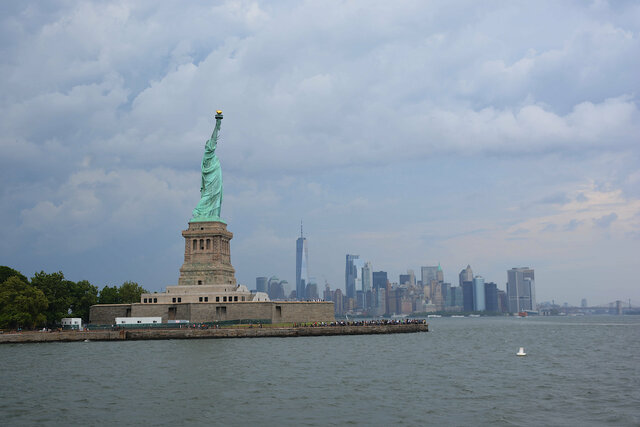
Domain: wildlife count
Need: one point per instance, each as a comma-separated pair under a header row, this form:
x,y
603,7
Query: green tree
x,y
83,296
6,272
57,290
109,295
21,305
130,292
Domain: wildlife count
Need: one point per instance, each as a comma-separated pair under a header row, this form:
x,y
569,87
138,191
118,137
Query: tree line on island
x,y
46,298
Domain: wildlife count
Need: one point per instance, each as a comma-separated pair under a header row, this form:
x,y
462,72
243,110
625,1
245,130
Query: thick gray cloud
x,y
407,132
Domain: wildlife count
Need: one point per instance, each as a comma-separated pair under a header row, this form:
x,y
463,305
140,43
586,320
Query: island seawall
x,y
194,333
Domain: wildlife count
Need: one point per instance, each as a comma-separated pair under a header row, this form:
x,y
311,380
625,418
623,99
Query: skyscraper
x,y
338,302
352,274
276,289
367,284
428,274
466,275
446,295
367,277
311,291
467,295
437,298
478,294
261,284
412,277
302,260
491,297
503,302
380,279
521,289
456,297
328,295
285,286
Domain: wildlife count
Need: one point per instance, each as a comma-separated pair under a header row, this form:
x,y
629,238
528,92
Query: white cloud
x,y
587,208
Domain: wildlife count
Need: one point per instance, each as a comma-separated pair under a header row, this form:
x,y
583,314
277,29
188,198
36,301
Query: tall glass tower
x,y
478,294
428,274
352,274
380,279
302,260
466,275
367,277
521,289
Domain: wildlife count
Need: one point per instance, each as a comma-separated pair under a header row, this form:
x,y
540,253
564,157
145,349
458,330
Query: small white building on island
x,y
71,323
138,320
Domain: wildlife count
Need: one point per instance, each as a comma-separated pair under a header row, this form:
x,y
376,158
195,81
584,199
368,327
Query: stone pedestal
x,y
207,256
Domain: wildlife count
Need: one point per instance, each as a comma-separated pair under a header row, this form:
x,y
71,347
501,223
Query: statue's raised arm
x,y
208,208
216,128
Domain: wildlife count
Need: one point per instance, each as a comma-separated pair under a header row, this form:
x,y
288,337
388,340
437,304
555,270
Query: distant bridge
x,y
628,303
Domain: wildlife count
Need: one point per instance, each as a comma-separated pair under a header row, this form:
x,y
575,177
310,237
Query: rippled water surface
x,y
578,371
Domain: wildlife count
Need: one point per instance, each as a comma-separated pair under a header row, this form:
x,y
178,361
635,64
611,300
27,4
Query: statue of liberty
x,y
208,208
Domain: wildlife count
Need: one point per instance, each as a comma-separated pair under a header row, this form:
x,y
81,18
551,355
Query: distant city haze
x,y
412,135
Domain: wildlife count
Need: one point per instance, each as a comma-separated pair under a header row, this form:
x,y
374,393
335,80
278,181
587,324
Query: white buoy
x,y
521,352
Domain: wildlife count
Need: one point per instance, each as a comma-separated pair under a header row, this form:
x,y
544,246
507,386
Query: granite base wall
x,y
276,311
105,314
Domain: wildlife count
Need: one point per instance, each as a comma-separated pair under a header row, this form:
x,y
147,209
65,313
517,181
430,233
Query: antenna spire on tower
x,y
301,235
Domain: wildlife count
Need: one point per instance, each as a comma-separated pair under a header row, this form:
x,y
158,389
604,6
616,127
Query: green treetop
x,y
21,305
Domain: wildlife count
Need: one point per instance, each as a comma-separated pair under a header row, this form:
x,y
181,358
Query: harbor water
x,y
578,371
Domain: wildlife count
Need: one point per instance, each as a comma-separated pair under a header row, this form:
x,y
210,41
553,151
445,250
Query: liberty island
x,y
208,302
207,290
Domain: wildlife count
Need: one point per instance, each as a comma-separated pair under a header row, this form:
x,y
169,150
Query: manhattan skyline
x,y
495,135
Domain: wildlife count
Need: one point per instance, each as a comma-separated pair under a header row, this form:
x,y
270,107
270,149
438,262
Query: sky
x,y
498,134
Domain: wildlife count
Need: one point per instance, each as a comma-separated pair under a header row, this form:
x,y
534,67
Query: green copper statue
x,y
208,208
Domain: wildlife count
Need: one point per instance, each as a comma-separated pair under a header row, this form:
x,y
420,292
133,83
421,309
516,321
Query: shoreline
x,y
213,333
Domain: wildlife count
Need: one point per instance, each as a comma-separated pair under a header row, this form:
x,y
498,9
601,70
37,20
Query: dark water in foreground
x,y
579,371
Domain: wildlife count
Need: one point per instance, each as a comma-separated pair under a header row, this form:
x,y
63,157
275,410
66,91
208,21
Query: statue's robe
x,y
208,208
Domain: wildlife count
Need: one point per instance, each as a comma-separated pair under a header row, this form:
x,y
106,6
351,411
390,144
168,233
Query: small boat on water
x,y
433,315
521,352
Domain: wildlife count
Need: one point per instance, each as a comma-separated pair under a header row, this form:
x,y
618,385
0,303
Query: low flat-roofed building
x,y
71,323
137,320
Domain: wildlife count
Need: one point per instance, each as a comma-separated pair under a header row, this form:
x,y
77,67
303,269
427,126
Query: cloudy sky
x,y
496,134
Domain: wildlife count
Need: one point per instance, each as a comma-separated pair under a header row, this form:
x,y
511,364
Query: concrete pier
x,y
193,333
